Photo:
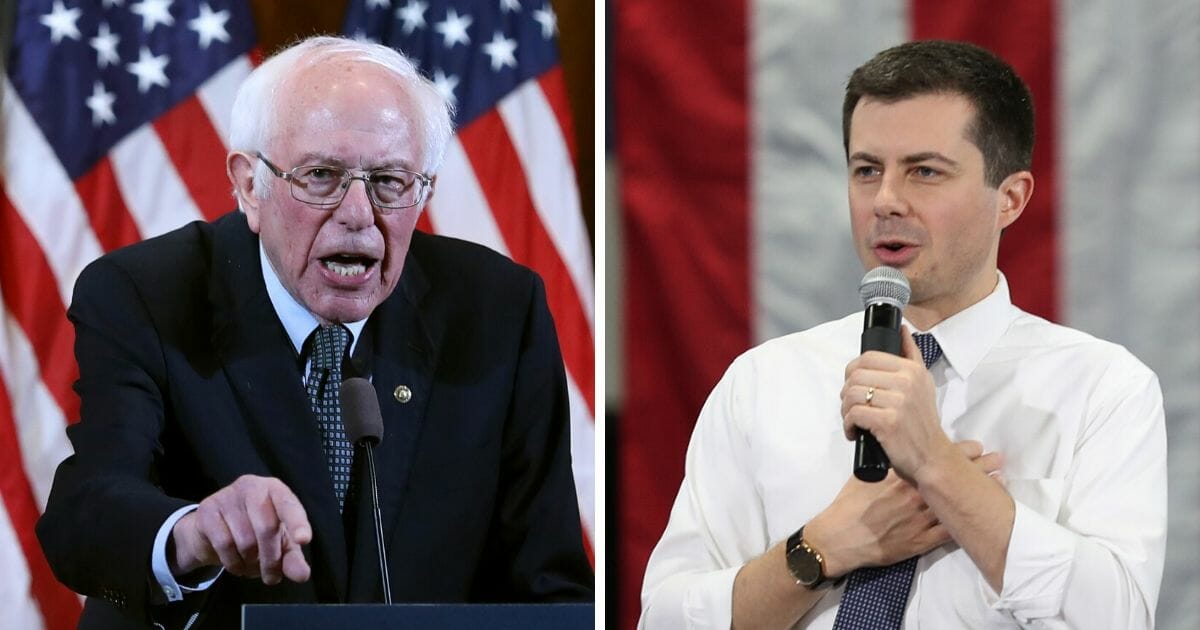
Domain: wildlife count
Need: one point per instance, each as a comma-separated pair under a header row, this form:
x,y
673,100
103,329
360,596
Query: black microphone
x,y
885,293
364,427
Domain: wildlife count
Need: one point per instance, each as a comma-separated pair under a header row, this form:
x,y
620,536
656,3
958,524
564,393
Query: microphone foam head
x,y
360,411
885,285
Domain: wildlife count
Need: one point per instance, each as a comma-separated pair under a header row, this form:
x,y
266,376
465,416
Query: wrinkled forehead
x,y
339,101
319,81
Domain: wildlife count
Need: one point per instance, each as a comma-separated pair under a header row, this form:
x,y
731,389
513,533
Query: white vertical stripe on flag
x,y
37,419
583,456
155,195
44,195
546,162
217,93
458,207
19,609
803,261
1130,217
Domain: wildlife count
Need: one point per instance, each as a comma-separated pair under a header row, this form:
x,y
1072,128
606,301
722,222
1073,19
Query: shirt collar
x,y
968,335
297,320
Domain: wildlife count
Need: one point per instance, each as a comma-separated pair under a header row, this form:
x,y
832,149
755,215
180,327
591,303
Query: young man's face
x,y
919,202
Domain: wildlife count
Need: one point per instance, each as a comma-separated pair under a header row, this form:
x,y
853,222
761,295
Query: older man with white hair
x,y
211,466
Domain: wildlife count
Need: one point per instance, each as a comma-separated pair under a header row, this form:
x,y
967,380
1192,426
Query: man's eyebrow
x,y
916,158
312,158
315,158
863,156
929,156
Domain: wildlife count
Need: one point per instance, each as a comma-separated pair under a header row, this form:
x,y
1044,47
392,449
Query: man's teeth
x,y
345,269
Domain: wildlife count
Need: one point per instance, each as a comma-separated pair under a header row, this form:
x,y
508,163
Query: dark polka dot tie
x,y
875,597
930,350
324,391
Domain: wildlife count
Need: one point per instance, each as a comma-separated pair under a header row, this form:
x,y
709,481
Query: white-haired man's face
x,y
340,261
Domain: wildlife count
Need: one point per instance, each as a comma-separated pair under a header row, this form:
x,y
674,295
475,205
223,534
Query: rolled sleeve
x,y
1095,560
716,524
696,602
1036,570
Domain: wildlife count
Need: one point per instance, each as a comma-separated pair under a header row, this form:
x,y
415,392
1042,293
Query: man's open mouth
x,y
348,265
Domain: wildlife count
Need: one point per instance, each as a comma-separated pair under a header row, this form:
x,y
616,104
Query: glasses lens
x,y
396,189
319,184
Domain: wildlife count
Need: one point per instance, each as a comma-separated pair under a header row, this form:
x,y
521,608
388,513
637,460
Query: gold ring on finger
x,y
870,395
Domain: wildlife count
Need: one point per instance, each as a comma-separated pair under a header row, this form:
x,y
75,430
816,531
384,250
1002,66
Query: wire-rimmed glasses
x,y
325,186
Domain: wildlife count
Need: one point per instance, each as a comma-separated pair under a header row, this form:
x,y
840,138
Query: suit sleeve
x,y
535,546
105,507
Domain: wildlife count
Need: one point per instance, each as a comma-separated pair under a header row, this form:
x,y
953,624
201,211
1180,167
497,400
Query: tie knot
x,y
930,350
329,346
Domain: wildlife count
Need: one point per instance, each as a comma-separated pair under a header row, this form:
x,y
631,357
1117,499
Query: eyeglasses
x,y
323,186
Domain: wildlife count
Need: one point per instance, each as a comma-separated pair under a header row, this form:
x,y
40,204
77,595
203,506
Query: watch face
x,y
804,566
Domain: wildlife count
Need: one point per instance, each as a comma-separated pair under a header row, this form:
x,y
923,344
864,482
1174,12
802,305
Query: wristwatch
x,y
805,563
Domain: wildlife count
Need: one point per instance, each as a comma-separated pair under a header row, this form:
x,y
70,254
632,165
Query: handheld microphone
x,y
364,427
885,293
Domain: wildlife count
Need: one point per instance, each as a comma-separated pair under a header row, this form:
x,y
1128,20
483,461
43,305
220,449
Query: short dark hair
x,y
1003,125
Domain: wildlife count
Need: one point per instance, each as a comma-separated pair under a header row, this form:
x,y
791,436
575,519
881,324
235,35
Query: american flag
x,y
115,114
508,181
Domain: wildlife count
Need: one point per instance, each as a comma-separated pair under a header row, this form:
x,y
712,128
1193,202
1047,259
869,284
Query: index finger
x,y
874,360
291,514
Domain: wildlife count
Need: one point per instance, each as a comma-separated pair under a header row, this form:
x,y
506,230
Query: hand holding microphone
x,y
885,293
889,399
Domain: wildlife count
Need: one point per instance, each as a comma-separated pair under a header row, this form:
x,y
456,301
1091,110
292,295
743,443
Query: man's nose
x,y
356,211
890,197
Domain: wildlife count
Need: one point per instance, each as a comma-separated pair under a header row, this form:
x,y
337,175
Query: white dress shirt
x,y
1078,420
299,323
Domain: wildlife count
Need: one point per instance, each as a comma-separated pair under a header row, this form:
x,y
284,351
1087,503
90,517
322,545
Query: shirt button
x,y
402,394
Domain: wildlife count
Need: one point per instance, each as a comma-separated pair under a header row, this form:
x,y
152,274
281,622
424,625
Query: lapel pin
x,y
402,394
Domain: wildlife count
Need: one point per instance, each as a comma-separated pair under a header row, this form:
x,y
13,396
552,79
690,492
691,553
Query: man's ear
x,y
1015,192
239,167
432,189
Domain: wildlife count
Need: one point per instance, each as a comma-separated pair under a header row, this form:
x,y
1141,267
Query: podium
x,y
401,616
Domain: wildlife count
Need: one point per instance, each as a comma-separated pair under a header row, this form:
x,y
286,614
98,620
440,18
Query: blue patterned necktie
x,y
875,597
324,387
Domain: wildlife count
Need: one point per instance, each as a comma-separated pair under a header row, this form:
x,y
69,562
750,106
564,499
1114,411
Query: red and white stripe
x,y
508,182
156,179
736,227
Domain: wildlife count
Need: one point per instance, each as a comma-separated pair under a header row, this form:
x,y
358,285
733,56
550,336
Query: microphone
x,y
364,427
885,293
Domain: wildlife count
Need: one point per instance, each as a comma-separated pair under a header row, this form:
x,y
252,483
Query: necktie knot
x,y
931,351
329,346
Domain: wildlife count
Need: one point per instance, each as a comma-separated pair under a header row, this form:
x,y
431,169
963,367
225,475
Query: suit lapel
x,y
405,353
265,376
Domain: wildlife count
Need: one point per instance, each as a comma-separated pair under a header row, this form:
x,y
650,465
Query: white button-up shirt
x,y
1078,420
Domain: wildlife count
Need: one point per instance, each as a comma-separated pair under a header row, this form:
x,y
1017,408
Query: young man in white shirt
x,y
1029,460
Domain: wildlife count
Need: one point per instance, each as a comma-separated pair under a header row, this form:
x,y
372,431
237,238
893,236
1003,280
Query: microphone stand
x,y
385,578
364,426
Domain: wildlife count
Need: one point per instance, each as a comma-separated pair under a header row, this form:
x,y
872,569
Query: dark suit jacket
x,y
188,381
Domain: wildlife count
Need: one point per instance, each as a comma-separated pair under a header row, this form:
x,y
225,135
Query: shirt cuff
x,y
697,601
1036,568
162,570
